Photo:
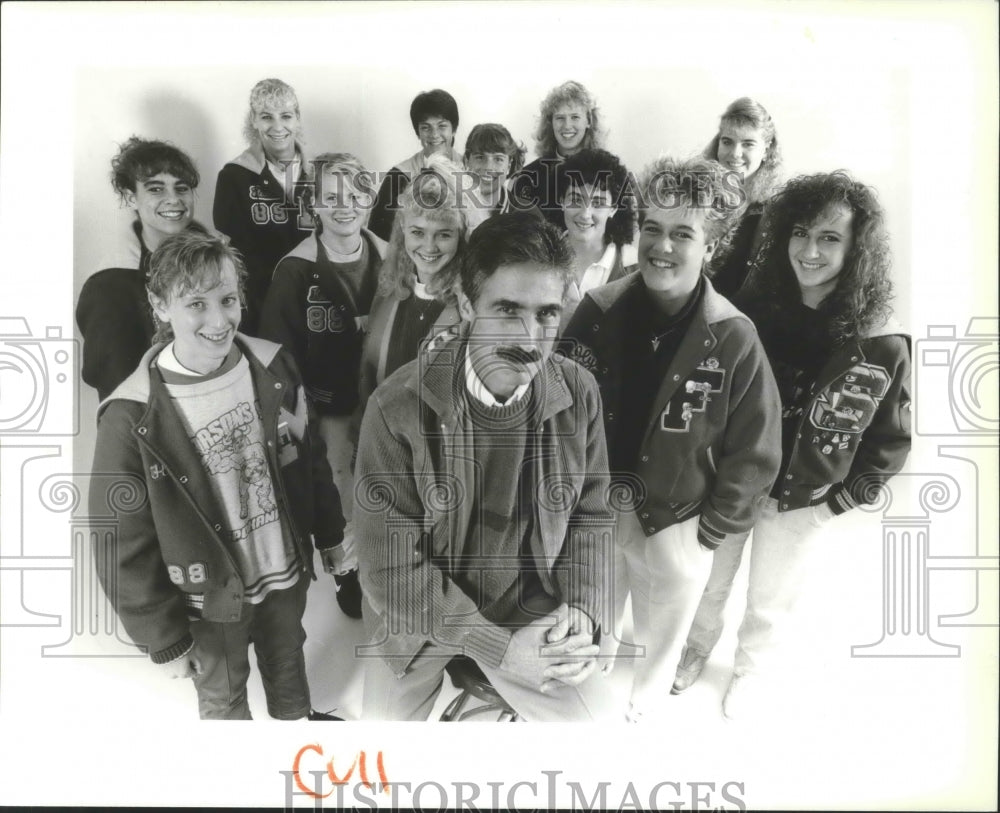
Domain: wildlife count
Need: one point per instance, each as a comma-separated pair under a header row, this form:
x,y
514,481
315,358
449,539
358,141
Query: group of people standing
x,y
500,400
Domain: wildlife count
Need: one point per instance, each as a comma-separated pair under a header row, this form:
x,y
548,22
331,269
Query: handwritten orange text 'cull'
x,y
360,762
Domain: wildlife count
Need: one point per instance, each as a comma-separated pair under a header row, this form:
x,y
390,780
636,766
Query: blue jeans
x,y
274,627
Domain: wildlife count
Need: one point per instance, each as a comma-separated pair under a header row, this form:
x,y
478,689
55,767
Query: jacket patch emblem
x,y
583,356
692,396
315,296
258,193
157,470
848,405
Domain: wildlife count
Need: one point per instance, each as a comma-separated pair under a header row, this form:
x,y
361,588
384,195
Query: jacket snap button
x,y
142,430
854,358
218,527
184,478
707,342
645,458
277,385
677,378
645,516
786,492
596,328
788,477
651,529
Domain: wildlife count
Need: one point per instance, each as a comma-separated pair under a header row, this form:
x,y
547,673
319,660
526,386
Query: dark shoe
x,y
349,593
318,715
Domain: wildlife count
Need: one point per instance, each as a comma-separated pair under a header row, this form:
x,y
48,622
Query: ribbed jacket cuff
x,y
708,536
487,644
172,653
840,500
329,541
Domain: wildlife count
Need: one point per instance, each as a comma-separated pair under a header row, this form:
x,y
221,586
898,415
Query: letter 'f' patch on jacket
x,y
692,396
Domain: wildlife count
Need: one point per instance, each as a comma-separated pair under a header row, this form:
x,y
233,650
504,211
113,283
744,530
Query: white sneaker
x,y
688,670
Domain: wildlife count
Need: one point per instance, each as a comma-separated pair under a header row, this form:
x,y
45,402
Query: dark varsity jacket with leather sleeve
x,y
712,445
853,433
311,311
251,208
149,482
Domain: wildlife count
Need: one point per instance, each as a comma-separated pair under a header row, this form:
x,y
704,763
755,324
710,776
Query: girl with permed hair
x,y
416,295
157,181
569,121
746,143
819,295
257,194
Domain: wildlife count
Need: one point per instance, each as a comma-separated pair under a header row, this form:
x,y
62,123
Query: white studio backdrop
x,y
902,94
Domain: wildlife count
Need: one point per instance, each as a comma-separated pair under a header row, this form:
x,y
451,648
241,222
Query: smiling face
x,y
586,211
436,135
164,205
673,249
430,242
204,322
277,128
491,169
514,324
741,148
341,206
817,251
569,125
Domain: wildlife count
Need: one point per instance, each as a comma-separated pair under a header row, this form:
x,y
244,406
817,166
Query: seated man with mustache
x,y
481,502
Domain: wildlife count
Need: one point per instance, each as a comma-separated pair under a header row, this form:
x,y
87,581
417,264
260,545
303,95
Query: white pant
x,y
779,561
665,574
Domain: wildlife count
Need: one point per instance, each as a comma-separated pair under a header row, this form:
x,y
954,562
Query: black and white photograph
x,y
626,370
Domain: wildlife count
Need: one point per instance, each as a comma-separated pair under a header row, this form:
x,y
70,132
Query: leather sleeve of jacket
x,y
129,564
383,211
413,596
111,327
226,215
283,317
751,447
328,512
885,444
